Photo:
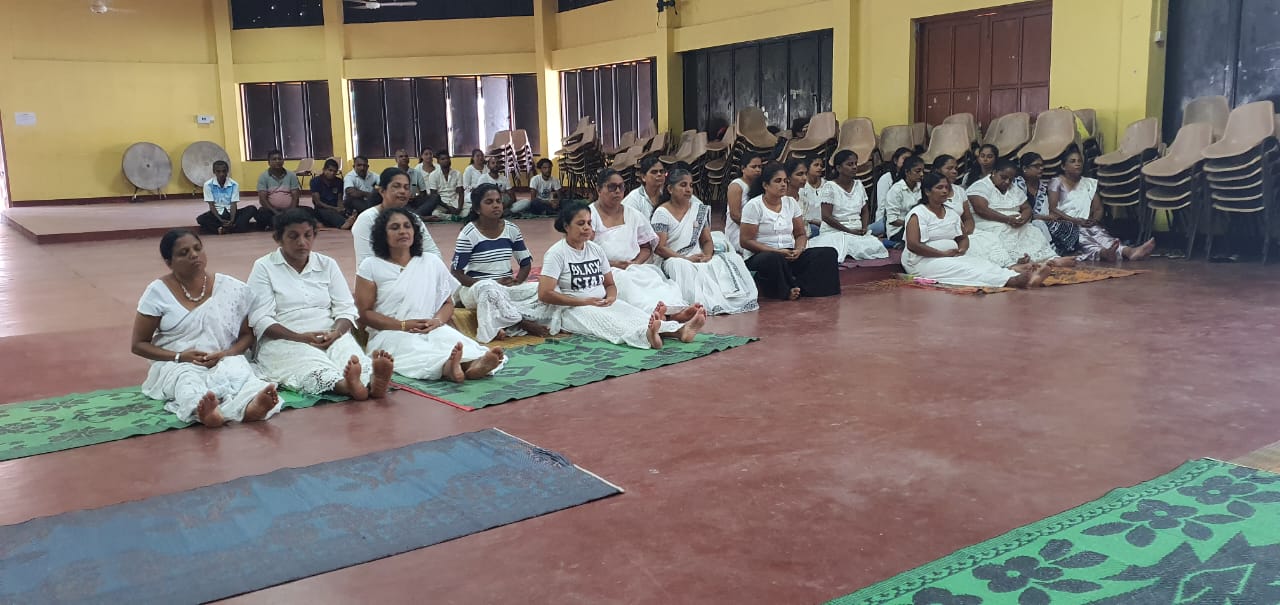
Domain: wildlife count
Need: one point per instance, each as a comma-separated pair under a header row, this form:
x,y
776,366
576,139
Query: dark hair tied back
x,y
567,214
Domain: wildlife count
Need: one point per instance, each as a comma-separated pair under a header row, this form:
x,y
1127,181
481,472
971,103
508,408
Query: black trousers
x,y
357,205
210,222
330,218
266,218
816,273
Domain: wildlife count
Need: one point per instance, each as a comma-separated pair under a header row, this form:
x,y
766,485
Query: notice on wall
x,y
24,118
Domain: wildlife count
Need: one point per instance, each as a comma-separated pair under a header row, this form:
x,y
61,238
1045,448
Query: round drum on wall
x,y
198,159
147,166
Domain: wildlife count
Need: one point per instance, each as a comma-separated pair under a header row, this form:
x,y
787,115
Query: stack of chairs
x,y
580,160
625,142
919,136
859,136
1054,133
717,167
627,162
1175,182
970,124
691,155
753,136
1091,143
893,138
1120,180
1211,110
683,149
952,139
1241,168
502,149
1009,133
524,151
819,139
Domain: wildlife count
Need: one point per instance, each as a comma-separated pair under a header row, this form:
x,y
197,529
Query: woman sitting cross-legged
x,y
774,238
982,244
1002,210
891,214
628,240
576,292
482,258
937,246
194,328
719,279
1073,198
303,314
405,299
845,214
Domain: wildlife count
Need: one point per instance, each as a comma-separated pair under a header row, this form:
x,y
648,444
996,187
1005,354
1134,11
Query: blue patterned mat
x,y
211,543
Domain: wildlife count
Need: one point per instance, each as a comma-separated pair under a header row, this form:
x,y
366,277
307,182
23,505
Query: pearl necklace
x,y
203,286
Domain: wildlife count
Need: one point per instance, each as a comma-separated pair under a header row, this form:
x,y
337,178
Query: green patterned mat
x,y
77,420
1206,533
562,363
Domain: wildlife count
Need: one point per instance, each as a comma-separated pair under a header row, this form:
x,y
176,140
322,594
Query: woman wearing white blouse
x,y
471,175
736,197
892,213
774,236
1003,211
644,199
303,314
844,213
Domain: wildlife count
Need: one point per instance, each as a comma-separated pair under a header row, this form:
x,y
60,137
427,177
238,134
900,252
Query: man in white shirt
x,y
546,190
359,187
362,229
223,196
446,185
493,176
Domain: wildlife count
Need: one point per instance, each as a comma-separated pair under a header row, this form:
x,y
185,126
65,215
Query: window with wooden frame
x,y
290,116
618,98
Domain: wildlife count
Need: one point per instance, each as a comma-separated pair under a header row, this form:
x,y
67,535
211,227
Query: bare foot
x,y
686,314
262,404
534,328
380,381
1026,258
1142,251
501,335
1109,254
351,220
453,367
795,293
655,338
690,329
351,376
660,309
207,411
1039,275
1062,261
1024,268
486,364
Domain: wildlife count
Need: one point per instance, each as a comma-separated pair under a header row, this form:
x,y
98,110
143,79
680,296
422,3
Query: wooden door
x,y
989,63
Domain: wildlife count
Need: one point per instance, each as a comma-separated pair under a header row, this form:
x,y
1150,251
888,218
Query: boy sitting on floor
x,y
223,195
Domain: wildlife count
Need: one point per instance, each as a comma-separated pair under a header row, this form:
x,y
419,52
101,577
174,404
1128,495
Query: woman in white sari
x,y
1002,210
937,247
720,280
982,244
303,314
482,258
197,342
845,214
405,300
1073,198
576,292
644,199
628,240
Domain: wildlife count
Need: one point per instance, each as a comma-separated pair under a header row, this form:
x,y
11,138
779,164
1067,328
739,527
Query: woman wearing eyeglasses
x,y
1062,234
628,241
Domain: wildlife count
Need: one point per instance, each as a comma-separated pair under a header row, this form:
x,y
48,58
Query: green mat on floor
x,y
562,363
1206,533
71,421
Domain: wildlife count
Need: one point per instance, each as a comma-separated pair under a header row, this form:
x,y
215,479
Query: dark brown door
x,y
988,63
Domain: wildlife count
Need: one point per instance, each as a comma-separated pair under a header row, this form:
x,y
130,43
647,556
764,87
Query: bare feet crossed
x,y
262,404
486,364
380,381
207,411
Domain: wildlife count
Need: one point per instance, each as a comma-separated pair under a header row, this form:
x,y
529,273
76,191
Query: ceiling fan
x,y
374,4
102,7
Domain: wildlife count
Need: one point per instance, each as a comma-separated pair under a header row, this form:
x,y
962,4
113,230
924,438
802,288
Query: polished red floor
x,y
864,435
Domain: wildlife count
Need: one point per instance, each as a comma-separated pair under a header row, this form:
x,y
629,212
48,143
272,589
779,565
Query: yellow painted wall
x,y
98,83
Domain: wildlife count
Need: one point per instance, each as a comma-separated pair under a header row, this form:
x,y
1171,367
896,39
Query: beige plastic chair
x,y
1139,137
1247,127
685,147
1055,131
822,129
970,124
306,166
753,129
624,143
919,134
1187,151
1014,132
993,130
893,138
859,136
1088,117
1210,110
722,146
950,139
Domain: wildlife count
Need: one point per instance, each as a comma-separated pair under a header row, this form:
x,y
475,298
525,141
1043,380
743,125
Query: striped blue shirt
x,y
483,258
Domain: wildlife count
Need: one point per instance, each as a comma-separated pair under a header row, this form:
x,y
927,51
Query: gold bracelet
x,y
402,326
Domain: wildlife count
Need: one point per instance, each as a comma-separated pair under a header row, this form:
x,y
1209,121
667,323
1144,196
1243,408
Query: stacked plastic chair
x,y
753,136
819,139
919,136
502,149
683,149
859,136
581,160
1009,133
1091,142
1054,133
970,125
1211,110
1241,169
717,167
954,140
627,162
1174,184
524,151
893,138
625,142
1120,181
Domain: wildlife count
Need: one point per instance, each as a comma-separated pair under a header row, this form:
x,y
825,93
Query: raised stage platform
x,y
100,222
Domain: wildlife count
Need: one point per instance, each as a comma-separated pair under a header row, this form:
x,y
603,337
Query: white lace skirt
x,y
644,286
619,323
723,284
422,356
182,385
497,307
306,369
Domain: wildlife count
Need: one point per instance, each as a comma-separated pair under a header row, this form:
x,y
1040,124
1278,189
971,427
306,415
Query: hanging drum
x,y
198,159
147,167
